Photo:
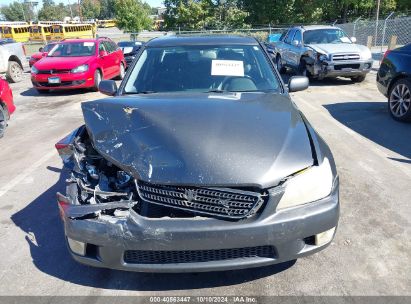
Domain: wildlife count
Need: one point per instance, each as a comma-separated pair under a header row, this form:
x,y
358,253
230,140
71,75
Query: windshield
x,y
325,36
75,49
239,68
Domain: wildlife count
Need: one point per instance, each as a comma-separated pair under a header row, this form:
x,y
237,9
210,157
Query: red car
x,y
43,51
7,106
78,63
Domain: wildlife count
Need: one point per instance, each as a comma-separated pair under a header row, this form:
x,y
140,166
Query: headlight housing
x,y
309,185
322,57
80,69
366,54
34,70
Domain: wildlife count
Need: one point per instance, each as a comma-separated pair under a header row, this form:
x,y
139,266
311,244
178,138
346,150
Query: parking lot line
x,y
24,174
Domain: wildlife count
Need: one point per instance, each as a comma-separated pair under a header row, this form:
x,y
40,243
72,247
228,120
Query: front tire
x,y
14,72
302,69
97,80
279,64
3,121
399,100
122,72
358,79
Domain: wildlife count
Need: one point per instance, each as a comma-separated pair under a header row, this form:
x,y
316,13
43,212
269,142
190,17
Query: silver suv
x,y
322,51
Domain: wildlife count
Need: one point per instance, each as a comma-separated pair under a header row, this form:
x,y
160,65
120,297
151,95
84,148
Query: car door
x,y
103,60
117,56
295,48
287,48
113,66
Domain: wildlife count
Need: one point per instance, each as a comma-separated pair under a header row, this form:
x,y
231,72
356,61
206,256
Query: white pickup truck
x,y
13,60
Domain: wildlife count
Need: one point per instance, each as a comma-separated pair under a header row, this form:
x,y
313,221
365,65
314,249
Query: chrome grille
x,y
346,57
221,202
197,256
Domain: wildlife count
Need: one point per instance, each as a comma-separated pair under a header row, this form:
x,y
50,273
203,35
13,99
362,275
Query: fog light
x,y
324,237
77,247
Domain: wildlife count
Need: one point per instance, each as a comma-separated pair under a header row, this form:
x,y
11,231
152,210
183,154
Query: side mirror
x,y
353,39
41,50
298,83
108,87
295,43
102,53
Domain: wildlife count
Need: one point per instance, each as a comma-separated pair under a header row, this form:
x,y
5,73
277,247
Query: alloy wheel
x,y
400,100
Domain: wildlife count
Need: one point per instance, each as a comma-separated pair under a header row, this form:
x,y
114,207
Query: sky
x,y
153,3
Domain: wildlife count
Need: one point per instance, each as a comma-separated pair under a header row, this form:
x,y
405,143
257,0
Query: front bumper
x,y
342,68
289,232
68,81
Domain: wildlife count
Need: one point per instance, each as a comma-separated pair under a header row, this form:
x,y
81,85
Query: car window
x,y
298,36
101,47
289,37
282,37
108,46
205,68
73,49
330,35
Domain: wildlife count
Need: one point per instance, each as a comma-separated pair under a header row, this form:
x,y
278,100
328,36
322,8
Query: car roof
x,y
317,27
174,40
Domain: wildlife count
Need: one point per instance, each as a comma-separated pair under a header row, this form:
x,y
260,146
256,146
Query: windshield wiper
x,y
140,92
217,91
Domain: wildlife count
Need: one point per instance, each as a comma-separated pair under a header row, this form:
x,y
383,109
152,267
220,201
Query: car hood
x,y
239,139
57,63
333,48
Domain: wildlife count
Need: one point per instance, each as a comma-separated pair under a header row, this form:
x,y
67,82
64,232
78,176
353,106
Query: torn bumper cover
x,y
136,243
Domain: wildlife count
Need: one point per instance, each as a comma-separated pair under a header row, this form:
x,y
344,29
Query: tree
x,y
17,11
106,9
51,11
90,9
132,15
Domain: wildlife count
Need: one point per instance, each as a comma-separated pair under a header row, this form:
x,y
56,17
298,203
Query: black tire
x,y
399,100
97,79
3,121
358,79
122,72
279,65
302,69
14,72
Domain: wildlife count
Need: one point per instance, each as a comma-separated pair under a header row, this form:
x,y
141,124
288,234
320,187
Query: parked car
x,y
199,162
322,51
394,81
7,106
130,50
43,51
13,60
78,63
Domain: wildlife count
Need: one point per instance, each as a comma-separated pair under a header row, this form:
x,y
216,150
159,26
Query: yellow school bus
x,y
19,33
67,31
40,32
107,23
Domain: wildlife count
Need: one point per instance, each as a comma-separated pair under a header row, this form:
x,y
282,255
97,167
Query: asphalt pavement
x,y
370,254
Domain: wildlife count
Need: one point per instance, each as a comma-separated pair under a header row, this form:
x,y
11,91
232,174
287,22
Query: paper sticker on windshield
x,y
88,44
345,39
227,68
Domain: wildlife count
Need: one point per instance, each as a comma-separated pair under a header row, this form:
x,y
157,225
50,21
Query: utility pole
x,y
377,16
79,10
71,10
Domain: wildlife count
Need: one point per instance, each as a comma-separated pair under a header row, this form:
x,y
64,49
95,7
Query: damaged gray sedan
x,y
199,162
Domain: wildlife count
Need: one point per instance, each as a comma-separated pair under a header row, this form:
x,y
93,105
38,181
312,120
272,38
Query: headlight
x,y
34,70
80,69
307,186
322,57
366,55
